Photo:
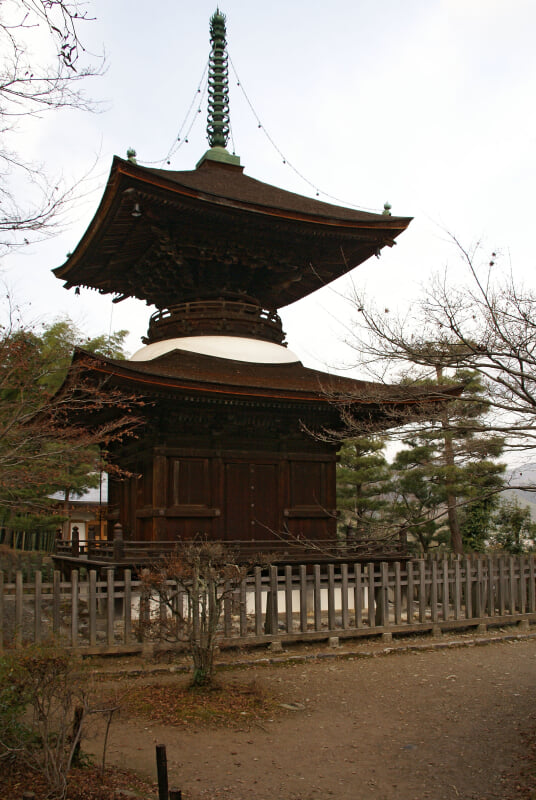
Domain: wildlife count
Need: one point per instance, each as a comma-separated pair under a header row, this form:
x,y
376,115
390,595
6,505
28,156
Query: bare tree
x,y
189,588
42,68
486,325
481,332
46,701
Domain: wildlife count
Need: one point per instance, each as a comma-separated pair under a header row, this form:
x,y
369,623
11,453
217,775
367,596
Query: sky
x,y
426,104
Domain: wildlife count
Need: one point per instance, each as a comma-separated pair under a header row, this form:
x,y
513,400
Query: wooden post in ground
x,y
161,772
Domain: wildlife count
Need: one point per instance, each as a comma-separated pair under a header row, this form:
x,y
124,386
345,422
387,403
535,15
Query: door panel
x,y
237,519
264,501
252,506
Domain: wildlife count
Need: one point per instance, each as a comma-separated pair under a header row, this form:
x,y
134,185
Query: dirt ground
x,y
443,723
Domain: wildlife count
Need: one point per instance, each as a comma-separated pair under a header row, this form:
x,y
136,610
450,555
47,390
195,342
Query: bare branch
x,y
43,67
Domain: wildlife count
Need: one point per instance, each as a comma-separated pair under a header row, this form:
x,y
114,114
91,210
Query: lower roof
x,y
183,371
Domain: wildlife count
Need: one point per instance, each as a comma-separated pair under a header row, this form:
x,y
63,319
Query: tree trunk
x,y
66,513
456,541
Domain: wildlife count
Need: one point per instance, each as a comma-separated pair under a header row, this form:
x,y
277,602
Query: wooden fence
x,y
43,541
27,562
291,603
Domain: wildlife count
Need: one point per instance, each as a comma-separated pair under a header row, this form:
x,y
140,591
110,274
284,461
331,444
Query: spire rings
x,y
218,84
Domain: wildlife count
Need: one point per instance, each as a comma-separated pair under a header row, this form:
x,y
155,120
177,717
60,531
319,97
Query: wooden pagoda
x,y
226,450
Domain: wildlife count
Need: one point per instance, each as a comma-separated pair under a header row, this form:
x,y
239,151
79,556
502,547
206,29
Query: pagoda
x,y
226,450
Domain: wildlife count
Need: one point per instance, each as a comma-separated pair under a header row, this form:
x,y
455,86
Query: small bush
x,y
42,691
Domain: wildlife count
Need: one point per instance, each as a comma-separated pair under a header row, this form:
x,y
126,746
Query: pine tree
x,y
363,486
513,528
446,466
43,449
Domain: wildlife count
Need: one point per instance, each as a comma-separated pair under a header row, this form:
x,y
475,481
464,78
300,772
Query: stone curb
x,y
348,656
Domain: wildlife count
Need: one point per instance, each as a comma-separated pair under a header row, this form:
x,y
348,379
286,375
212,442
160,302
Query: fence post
x,y
1,611
258,601
479,588
92,604
422,590
371,600
522,585
331,597
303,597
271,622
127,605
382,594
145,611
457,591
409,592
75,542
317,595
19,596
511,585
74,608
344,597
446,588
243,608
468,588
358,596
398,594
502,586
433,591
288,598
119,545
110,606
490,602
532,584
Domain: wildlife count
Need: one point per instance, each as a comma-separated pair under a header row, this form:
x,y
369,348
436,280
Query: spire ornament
x,y
218,84
218,121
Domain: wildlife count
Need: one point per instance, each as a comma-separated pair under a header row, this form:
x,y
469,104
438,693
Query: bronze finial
x,y
218,84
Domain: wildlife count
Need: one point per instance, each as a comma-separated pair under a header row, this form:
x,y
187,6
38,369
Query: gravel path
x,y
445,723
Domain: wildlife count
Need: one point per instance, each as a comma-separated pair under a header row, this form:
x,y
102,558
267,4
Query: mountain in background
x,y
524,475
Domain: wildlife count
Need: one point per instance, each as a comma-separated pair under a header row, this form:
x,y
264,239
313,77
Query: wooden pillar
x,y
160,492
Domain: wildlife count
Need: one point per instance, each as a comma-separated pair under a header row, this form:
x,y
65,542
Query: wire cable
x,y
181,139
285,160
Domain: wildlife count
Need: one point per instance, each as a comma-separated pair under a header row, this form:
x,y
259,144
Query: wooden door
x,y
252,504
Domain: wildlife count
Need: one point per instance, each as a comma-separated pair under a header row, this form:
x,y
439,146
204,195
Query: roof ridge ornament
x,y
218,119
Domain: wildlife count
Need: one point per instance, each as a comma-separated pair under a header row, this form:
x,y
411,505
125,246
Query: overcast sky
x,y
427,104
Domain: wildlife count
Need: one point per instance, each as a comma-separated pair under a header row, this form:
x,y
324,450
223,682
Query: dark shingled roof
x,y
181,370
227,182
168,237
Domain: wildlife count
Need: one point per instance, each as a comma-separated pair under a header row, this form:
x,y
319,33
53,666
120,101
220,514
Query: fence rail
x,y
119,551
294,602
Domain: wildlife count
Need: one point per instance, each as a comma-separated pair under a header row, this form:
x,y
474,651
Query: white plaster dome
x,y
236,348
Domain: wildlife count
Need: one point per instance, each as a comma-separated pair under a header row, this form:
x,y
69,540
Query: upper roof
x,y
166,237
